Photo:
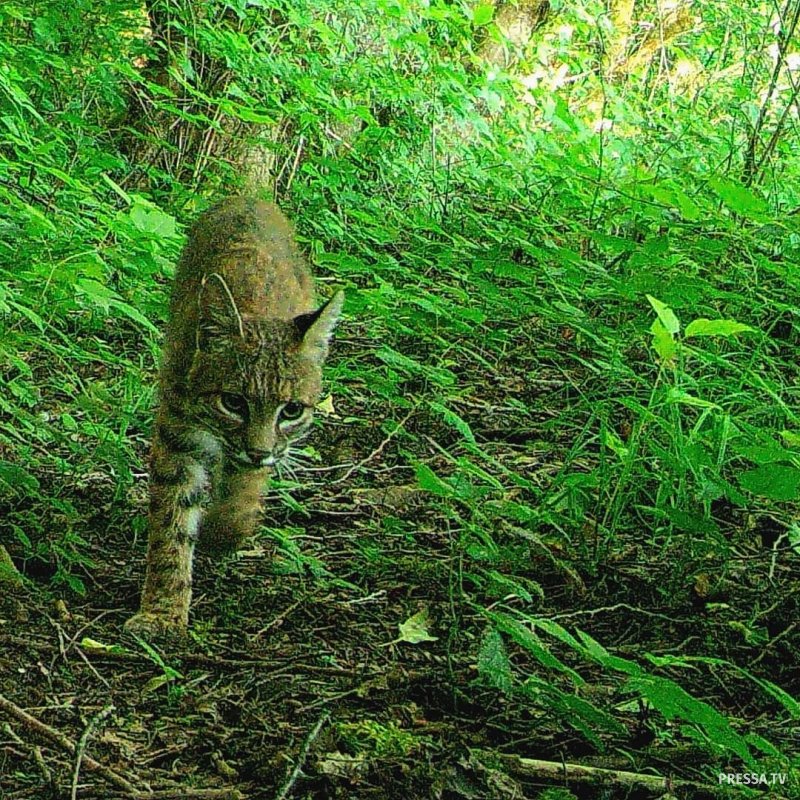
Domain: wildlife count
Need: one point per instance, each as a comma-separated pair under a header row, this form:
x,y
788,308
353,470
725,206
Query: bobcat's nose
x,y
260,458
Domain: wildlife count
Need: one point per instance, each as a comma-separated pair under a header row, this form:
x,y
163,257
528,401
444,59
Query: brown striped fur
x,y
240,376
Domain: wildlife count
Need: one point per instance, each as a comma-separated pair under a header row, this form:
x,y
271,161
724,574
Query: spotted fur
x,y
241,373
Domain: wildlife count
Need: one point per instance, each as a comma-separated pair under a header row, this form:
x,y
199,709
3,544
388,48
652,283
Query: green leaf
x,y
739,198
431,482
92,645
677,395
665,314
29,314
454,420
776,481
715,327
155,683
98,294
575,711
415,629
148,218
614,443
134,314
17,478
675,703
663,342
493,661
527,639
792,438
501,585
793,532
482,14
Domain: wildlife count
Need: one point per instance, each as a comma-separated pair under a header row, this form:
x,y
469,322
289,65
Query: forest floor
x,y
297,682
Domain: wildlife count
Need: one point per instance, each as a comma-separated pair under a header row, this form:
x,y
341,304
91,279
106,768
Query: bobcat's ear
x,y
317,327
218,314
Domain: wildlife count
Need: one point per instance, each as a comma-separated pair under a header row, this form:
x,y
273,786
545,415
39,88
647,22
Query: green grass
x,y
522,353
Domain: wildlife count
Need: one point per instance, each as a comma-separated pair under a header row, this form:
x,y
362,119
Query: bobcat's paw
x,y
150,625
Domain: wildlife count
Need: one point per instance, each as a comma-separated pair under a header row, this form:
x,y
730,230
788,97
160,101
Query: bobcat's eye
x,y
233,404
292,411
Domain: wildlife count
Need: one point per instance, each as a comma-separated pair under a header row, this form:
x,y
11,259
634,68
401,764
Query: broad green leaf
x,y
483,14
431,482
454,420
676,395
767,453
792,438
502,585
663,342
776,481
715,327
134,314
689,209
527,639
96,292
415,629
687,521
614,443
676,704
29,314
665,314
148,218
155,683
793,532
575,711
93,645
739,198
17,478
493,661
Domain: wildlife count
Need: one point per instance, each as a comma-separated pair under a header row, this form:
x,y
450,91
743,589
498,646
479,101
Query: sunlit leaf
x,y
665,314
715,327
415,629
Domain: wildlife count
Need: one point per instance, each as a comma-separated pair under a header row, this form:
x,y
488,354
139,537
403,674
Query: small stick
x,y
82,742
36,751
378,450
300,144
287,787
37,726
578,773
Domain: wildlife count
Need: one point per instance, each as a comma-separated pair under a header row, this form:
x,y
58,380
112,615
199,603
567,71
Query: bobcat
x,y
241,373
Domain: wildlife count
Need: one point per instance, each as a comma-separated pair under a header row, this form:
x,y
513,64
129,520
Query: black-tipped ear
x,y
317,327
218,315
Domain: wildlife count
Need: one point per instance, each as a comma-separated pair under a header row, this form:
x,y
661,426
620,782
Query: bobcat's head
x,y
254,382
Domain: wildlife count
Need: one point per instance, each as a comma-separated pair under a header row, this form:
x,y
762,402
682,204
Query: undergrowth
x,y
571,311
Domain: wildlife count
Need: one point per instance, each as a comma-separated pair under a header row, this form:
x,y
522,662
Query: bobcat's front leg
x,y
235,513
178,493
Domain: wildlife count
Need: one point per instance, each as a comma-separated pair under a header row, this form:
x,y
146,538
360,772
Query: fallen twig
x,y
127,788
578,773
287,787
378,450
81,746
37,726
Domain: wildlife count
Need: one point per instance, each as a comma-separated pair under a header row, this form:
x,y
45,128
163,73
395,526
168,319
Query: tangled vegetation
x,y
545,544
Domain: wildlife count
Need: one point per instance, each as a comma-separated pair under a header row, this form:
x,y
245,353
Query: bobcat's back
x,y
250,245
